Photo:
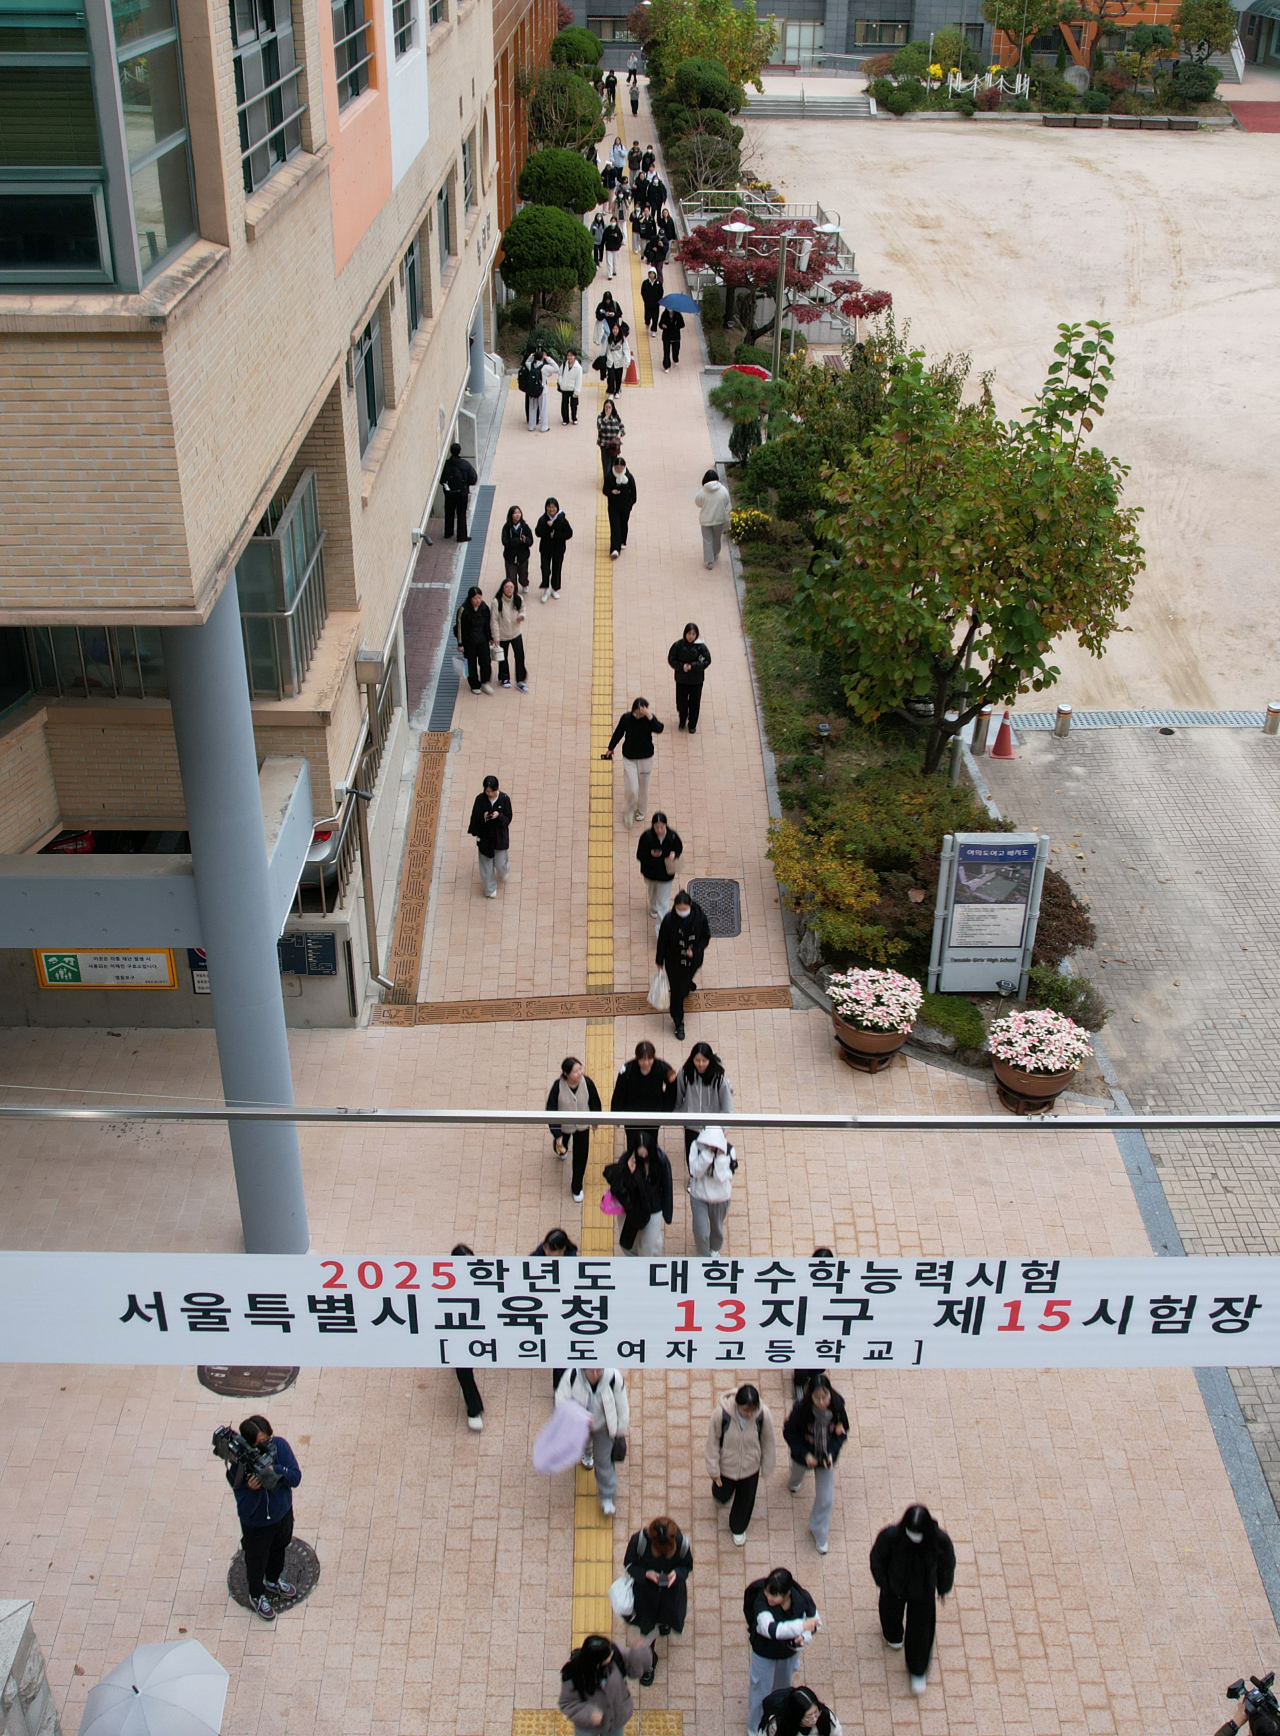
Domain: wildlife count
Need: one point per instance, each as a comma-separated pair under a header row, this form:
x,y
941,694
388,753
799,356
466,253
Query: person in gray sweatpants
x,y
816,1430
603,1393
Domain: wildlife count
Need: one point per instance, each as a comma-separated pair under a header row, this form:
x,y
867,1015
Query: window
x,y
802,38
413,286
15,674
972,34
267,74
280,581
469,171
366,369
98,662
442,227
880,32
53,223
610,29
352,49
436,13
404,24
149,62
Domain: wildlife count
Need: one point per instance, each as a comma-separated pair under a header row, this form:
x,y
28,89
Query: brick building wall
x,y
30,806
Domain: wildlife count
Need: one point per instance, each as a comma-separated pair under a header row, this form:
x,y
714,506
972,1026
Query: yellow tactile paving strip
x,y
600,815
645,1723
639,335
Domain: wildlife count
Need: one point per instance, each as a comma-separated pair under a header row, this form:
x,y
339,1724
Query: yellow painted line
x,y
644,1723
642,340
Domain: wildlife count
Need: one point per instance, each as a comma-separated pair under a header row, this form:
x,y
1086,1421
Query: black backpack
x,y
529,380
725,1419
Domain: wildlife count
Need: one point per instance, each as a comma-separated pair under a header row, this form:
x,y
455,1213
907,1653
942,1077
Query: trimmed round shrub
x,y
558,177
546,251
898,102
754,356
912,61
1192,83
576,47
705,84
881,89
1095,102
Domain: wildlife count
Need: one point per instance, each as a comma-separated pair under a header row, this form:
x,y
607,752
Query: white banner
x,y
415,1311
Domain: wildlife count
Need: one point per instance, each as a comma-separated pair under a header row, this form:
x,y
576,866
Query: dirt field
x,y
988,236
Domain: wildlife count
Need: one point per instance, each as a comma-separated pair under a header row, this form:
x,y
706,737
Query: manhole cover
x,y
301,1569
246,1382
722,903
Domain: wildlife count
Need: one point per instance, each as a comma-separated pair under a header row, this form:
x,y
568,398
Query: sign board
x,y
387,1310
308,952
984,922
149,967
198,965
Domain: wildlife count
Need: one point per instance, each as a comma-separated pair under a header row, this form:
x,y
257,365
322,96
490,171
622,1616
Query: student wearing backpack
x,y
711,1165
798,1712
602,1393
659,1562
741,1447
594,1696
781,1619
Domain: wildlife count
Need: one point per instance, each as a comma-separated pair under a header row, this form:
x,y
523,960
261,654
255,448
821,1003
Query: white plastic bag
x,y
622,1595
660,993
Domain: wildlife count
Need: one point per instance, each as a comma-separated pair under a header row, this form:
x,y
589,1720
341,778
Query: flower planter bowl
x,y
867,1050
1029,1093
1128,123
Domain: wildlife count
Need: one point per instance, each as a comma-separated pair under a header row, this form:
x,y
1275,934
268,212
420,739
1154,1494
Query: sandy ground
x,y
988,237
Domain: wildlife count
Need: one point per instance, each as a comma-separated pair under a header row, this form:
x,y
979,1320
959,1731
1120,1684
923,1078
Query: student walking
x,y
659,1562
613,239
690,660
816,1430
594,1695
553,532
473,629
651,296
618,155
640,1181
608,314
635,100
601,1392
798,1712
573,1093
713,504
913,1562
508,616
645,1084
702,1090
671,324
620,496
683,938
712,1162
741,1448
570,385
617,357
636,730
536,373
597,237
457,479
782,1618
491,828
609,433
466,1376
658,853
635,156
517,542
633,77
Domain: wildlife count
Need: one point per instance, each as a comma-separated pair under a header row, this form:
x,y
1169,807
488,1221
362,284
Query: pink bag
x,y
610,1207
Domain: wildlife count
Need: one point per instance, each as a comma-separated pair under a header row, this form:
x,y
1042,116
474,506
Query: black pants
x,y
619,517
651,318
682,985
921,1623
670,347
688,703
504,667
455,513
568,407
742,1492
264,1547
581,1147
613,381
635,100
552,562
608,452
479,666
470,1391
599,251
518,569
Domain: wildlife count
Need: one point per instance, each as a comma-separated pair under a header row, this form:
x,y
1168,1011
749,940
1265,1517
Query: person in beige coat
x,y
508,617
714,505
741,1448
594,1695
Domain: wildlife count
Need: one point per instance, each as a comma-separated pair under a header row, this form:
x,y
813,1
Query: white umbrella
x,y
177,1689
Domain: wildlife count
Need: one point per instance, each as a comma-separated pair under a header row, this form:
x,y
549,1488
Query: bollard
x,y
1062,725
981,727
1271,723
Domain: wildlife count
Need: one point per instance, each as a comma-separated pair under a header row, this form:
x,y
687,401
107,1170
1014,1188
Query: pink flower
x,y
876,1000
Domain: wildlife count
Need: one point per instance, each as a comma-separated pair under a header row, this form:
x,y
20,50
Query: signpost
x,y
984,923
147,967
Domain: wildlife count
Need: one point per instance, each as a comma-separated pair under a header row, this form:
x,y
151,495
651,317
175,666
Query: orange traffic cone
x,y
1004,739
633,373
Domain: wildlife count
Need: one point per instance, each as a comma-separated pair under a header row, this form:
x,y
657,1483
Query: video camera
x,y
233,1447
1257,1697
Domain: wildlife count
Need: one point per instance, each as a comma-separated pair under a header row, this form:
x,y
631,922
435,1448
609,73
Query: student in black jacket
x,y
553,531
816,1430
651,296
671,324
781,1619
640,1181
636,730
912,1562
613,240
690,660
658,853
646,1085
491,828
620,496
682,944
457,479
473,629
572,1093
517,543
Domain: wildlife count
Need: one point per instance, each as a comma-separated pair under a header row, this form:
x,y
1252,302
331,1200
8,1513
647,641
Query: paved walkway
x,y
1105,1582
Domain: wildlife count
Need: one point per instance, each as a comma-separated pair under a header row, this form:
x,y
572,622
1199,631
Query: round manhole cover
x,y
301,1570
246,1382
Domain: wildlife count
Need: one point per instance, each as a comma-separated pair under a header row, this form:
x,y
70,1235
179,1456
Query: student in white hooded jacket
x,y
713,504
712,1163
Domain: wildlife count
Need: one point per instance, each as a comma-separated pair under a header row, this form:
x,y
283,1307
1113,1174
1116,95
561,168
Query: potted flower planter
x,y
1035,1056
872,1012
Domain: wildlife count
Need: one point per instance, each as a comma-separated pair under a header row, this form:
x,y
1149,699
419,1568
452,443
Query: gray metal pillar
x,y
209,694
475,380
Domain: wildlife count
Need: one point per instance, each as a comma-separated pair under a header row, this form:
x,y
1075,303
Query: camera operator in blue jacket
x,y
266,1516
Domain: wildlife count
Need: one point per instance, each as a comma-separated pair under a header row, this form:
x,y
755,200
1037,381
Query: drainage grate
x,y
722,901
246,1382
1030,720
301,1570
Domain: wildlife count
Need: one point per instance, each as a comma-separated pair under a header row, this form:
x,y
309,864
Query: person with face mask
x,y
683,938
620,497
912,1562
816,1430
651,296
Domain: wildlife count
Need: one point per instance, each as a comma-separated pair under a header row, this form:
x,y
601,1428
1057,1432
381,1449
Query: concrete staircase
x,y
803,107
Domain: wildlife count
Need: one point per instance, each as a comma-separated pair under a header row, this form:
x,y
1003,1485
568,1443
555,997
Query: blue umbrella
x,y
680,303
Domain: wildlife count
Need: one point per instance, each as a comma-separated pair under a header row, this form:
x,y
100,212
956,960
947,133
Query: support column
x,y
209,694
475,380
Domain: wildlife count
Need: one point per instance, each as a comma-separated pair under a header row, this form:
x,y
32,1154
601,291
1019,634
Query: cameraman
x,y
266,1516
1260,1722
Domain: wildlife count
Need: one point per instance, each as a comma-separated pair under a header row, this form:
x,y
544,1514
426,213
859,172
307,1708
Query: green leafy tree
x,y
563,110
958,547
576,47
1021,27
676,30
911,60
546,252
744,399
704,84
563,178
1205,27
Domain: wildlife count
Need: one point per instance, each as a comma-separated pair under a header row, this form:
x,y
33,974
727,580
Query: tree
x,y
1022,25
676,30
563,178
954,539
704,156
546,252
576,47
1147,44
564,14
563,110
1205,27
704,84
754,267
744,399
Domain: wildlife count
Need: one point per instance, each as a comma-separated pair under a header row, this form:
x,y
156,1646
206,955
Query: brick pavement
x,y
1176,841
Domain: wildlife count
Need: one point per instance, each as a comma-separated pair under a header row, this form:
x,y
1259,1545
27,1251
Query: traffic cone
x,y
1004,739
633,373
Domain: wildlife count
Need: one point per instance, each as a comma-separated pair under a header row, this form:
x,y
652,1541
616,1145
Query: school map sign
x,y
387,1310
984,922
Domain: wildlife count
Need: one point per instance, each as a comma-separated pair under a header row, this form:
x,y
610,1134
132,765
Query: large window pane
x,y
352,48
151,92
163,208
266,87
49,231
137,19
47,117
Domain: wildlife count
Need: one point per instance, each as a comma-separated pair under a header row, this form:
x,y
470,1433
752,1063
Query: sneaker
x,y
504,684
486,687
589,1458
555,596
918,1684
895,1645
577,1199
262,1606
693,729
613,554
646,1681
679,1033
664,1631
682,724
523,686
639,814
820,1547
609,1509
739,1537
492,894
475,1424
708,565
281,1587
546,595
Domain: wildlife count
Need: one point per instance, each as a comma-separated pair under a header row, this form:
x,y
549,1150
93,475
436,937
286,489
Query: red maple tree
x,y
751,263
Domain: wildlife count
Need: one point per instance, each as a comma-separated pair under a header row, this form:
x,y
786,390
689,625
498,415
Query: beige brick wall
x,y
30,806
